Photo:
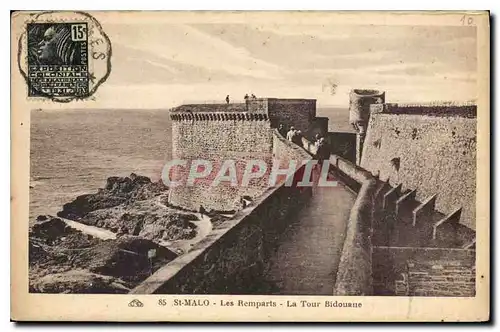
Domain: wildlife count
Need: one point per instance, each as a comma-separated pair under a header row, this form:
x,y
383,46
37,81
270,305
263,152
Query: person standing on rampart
x,y
290,134
282,130
297,138
322,150
227,99
316,138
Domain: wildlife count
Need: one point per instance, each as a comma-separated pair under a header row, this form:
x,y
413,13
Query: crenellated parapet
x,y
219,116
441,109
297,112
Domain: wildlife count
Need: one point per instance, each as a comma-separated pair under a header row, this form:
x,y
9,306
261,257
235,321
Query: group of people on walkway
x,y
322,149
295,136
247,97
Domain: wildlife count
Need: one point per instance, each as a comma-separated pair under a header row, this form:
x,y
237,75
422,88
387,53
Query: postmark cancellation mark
x,y
63,56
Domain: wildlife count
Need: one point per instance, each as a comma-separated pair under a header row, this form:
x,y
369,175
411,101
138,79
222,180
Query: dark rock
x,y
78,281
50,229
63,259
126,257
139,179
132,223
118,185
218,219
122,231
145,189
175,226
90,202
36,252
118,190
51,247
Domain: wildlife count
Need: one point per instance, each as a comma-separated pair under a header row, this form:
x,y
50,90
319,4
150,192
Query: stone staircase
x,y
417,250
404,221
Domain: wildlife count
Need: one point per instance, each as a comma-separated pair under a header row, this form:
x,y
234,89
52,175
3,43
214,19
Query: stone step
x,y
425,210
390,198
405,202
409,222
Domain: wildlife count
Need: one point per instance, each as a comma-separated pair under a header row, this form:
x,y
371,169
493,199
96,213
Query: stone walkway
x,y
308,252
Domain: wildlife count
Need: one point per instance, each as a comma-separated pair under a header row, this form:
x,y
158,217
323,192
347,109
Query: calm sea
x,y
73,152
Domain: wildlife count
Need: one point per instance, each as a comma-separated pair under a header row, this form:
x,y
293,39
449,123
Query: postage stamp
x,y
58,59
63,56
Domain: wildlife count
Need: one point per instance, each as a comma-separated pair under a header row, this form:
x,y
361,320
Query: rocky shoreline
x,y
63,259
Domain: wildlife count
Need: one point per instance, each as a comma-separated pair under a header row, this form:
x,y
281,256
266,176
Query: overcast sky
x,y
168,64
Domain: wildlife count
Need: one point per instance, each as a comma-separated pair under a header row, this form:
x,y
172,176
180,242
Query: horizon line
x,y
149,108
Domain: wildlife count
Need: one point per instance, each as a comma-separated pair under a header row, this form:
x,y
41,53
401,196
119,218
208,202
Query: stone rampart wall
x,y
409,271
432,154
354,274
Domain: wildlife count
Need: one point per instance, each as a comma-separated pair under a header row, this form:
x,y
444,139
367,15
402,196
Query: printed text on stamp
x,y
58,59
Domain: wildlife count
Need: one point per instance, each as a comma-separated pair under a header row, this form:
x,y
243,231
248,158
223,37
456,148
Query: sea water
x,y
73,152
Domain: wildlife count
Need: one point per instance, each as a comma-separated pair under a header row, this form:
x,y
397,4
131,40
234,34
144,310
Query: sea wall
x,y
409,271
231,259
218,137
354,274
429,152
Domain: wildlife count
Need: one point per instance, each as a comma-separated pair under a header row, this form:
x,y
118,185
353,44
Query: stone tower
x,y
218,133
359,114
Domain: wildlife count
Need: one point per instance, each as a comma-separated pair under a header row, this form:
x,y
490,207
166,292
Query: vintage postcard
x,y
250,166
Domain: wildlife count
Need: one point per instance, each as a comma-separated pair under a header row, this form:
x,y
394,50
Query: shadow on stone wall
x,y
354,274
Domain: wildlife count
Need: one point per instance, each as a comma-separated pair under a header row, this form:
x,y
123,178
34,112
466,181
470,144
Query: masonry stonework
x,y
239,132
432,154
409,271
360,101
217,140
299,113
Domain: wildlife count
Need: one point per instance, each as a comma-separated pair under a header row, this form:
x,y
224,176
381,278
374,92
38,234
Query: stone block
x,y
390,198
404,202
424,211
448,223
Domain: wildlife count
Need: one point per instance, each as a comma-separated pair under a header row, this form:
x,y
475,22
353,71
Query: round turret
x,y
359,107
